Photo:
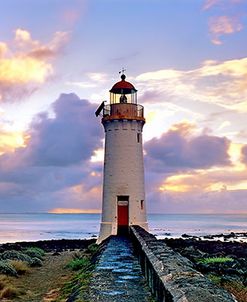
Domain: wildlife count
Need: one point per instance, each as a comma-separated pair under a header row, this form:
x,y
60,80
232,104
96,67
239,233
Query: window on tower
x,y
138,137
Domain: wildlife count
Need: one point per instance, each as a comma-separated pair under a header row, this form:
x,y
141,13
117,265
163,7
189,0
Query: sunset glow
x,y
58,61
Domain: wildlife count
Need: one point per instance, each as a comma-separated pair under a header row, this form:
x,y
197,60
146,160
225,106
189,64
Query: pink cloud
x,y
223,25
209,3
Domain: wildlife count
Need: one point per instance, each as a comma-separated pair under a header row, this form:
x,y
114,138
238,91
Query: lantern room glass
x,y
118,98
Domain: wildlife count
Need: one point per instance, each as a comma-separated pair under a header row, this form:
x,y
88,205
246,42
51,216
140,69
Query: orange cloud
x,y
223,25
9,141
212,179
25,63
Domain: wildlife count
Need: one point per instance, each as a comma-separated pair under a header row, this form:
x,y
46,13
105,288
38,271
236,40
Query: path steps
x,y
118,275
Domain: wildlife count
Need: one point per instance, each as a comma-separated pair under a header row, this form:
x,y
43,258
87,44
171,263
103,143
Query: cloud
x,y
221,83
208,4
10,141
223,25
179,150
54,169
244,154
67,139
227,22
206,181
25,63
216,202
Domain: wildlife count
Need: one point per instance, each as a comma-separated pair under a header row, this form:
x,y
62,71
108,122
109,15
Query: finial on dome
x,y
123,76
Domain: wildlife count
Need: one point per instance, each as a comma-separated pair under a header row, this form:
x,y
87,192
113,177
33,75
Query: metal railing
x,y
122,110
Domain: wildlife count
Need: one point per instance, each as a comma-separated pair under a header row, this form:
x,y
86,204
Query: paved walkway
x,y
118,275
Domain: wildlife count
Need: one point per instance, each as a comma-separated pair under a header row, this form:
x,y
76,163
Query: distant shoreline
x,y
238,237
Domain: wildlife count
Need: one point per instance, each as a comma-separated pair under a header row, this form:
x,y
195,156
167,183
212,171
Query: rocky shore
x,y
222,258
50,245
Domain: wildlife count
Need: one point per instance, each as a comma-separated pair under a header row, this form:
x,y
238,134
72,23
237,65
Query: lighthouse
x,y
123,181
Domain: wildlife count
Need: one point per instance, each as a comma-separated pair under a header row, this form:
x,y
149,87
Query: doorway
x,y
123,214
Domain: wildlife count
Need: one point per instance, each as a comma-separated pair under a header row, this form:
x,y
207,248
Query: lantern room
x,y
123,92
123,102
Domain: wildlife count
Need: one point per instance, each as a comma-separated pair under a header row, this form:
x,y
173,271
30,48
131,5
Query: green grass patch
x,y
84,265
215,260
79,264
214,278
93,248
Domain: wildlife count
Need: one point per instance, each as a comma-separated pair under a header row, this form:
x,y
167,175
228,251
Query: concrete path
x,y
118,275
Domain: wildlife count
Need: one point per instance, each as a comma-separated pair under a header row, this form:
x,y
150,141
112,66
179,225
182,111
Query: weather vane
x,y
122,71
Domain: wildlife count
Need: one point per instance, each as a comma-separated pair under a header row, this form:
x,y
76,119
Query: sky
x,y
186,58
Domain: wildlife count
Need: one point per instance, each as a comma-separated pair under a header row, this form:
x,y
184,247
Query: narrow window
x,y
138,137
142,204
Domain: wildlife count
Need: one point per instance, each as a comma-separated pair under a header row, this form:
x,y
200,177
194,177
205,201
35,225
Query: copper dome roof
x,y
123,87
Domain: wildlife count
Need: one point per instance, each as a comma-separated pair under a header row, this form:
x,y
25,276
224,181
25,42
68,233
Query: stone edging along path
x,y
172,277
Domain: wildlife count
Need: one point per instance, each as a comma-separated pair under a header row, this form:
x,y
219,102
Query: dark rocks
x,y
50,245
225,262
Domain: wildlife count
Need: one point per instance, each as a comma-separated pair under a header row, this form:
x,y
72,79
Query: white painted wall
x,y
123,174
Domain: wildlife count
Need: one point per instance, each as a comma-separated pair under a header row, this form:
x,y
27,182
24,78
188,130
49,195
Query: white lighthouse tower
x,y
123,184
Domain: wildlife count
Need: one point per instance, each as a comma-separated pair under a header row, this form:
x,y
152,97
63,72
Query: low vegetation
x,y
83,264
6,268
15,263
35,252
20,267
8,292
215,260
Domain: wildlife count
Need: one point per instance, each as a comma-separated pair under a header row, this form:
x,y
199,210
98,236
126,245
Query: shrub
x,y
36,262
9,292
215,260
79,263
214,278
34,252
2,283
20,266
93,248
16,255
7,269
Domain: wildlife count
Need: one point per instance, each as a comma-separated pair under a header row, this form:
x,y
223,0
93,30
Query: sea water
x,y
33,227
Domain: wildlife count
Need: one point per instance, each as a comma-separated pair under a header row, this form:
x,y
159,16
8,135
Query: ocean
x,y
33,227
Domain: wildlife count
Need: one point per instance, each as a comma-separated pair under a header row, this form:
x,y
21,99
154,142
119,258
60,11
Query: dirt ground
x,y
43,284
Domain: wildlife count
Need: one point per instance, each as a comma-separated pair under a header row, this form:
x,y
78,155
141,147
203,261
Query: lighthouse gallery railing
x,y
121,110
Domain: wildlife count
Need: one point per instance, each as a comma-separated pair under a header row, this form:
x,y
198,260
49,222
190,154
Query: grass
x,y
20,267
237,289
2,282
9,292
83,264
214,278
215,260
79,263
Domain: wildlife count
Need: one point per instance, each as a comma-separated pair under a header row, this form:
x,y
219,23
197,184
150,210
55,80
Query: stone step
x,y
118,275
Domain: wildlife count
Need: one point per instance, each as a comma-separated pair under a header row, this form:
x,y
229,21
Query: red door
x,y
123,215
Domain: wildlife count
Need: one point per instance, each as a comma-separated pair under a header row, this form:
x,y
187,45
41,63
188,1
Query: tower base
x,y
108,229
